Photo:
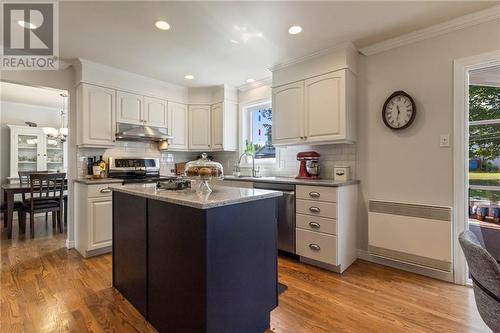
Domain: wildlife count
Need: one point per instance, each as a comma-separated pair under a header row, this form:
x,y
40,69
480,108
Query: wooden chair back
x,y
47,185
24,179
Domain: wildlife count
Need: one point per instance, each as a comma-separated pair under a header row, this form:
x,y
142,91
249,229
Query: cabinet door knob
x,y
314,194
314,225
314,209
314,247
106,190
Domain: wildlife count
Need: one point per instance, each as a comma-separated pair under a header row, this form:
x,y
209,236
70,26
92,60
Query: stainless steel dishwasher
x,y
286,214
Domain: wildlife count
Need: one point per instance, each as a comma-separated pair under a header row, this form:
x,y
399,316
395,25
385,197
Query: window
x,y
259,138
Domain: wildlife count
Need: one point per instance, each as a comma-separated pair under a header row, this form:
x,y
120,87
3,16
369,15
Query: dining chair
x,y
46,195
18,205
24,179
485,273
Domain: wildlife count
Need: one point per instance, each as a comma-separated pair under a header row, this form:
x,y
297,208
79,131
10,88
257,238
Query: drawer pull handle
x,y
314,247
314,194
314,225
314,209
106,190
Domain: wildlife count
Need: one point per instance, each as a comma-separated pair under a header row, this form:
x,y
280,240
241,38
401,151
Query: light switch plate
x,y
444,140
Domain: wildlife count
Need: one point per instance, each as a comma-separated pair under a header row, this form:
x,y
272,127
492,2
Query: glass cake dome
x,y
204,168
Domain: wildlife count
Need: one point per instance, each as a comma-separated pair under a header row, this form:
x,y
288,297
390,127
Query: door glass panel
x,y
55,155
484,154
27,146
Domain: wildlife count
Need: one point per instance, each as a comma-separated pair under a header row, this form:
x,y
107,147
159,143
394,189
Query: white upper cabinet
x,y
155,112
288,113
217,126
129,108
316,110
178,125
200,127
314,101
96,116
225,126
325,107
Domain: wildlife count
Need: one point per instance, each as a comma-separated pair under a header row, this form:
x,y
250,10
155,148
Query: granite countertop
x,y
221,195
290,180
90,181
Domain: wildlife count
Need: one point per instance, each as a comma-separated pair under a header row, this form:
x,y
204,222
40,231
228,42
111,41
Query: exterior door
x,y
178,125
155,112
129,108
288,113
199,127
325,107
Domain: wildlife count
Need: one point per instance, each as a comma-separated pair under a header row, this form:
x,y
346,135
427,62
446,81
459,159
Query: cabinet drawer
x,y
316,223
317,193
317,246
99,190
317,208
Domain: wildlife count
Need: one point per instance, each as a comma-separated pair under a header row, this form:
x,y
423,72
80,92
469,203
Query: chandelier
x,y
60,134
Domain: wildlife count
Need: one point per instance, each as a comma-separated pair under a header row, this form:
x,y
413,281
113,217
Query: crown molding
x,y
458,23
291,62
258,83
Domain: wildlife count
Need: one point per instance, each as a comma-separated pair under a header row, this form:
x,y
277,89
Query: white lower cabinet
x,y
94,219
326,226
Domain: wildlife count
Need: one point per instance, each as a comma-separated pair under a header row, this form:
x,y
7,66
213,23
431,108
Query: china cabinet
x,y
31,150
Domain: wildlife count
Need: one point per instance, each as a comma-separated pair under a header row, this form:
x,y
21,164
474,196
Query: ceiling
x,y
17,93
121,34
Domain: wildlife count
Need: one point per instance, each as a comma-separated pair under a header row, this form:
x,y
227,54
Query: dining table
x,y
9,192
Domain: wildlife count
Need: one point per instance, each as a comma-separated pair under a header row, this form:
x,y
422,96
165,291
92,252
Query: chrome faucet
x,y
254,172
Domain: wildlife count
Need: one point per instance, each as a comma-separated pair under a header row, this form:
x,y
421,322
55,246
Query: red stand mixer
x,y
309,165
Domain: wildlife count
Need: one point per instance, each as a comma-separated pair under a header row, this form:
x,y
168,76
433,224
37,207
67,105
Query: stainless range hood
x,y
127,132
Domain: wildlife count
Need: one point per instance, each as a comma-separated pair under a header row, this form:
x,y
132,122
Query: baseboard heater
x,y
411,233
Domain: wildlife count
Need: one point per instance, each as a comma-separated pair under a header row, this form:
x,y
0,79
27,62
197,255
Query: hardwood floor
x,y
47,288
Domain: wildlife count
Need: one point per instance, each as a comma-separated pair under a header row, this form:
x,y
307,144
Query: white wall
x,y
409,165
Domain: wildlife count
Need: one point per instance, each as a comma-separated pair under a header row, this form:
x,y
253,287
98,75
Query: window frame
x,y
246,132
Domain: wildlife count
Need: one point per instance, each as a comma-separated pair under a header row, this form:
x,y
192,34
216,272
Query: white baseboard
x,y
70,244
417,269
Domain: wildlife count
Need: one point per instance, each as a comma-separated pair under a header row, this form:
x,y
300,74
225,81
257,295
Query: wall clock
x,y
399,111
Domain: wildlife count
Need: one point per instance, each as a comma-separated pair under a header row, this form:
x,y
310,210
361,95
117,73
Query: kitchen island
x,y
197,263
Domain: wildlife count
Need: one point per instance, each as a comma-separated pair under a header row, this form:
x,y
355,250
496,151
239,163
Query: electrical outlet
x,y
444,140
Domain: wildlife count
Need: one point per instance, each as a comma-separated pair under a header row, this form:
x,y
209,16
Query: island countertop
x,y
221,195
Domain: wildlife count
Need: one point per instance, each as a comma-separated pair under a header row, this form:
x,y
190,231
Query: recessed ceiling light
x,y
295,29
162,25
27,25
250,80
189,77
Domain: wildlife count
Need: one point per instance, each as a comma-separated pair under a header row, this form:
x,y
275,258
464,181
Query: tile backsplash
x,y
286,164
134,149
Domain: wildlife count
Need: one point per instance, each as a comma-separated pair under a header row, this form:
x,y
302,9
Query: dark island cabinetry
x,y
197,270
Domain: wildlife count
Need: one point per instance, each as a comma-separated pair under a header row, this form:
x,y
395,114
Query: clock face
x,y
399,111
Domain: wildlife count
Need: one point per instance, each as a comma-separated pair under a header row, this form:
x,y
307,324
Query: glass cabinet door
x,y
55,156
28,152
